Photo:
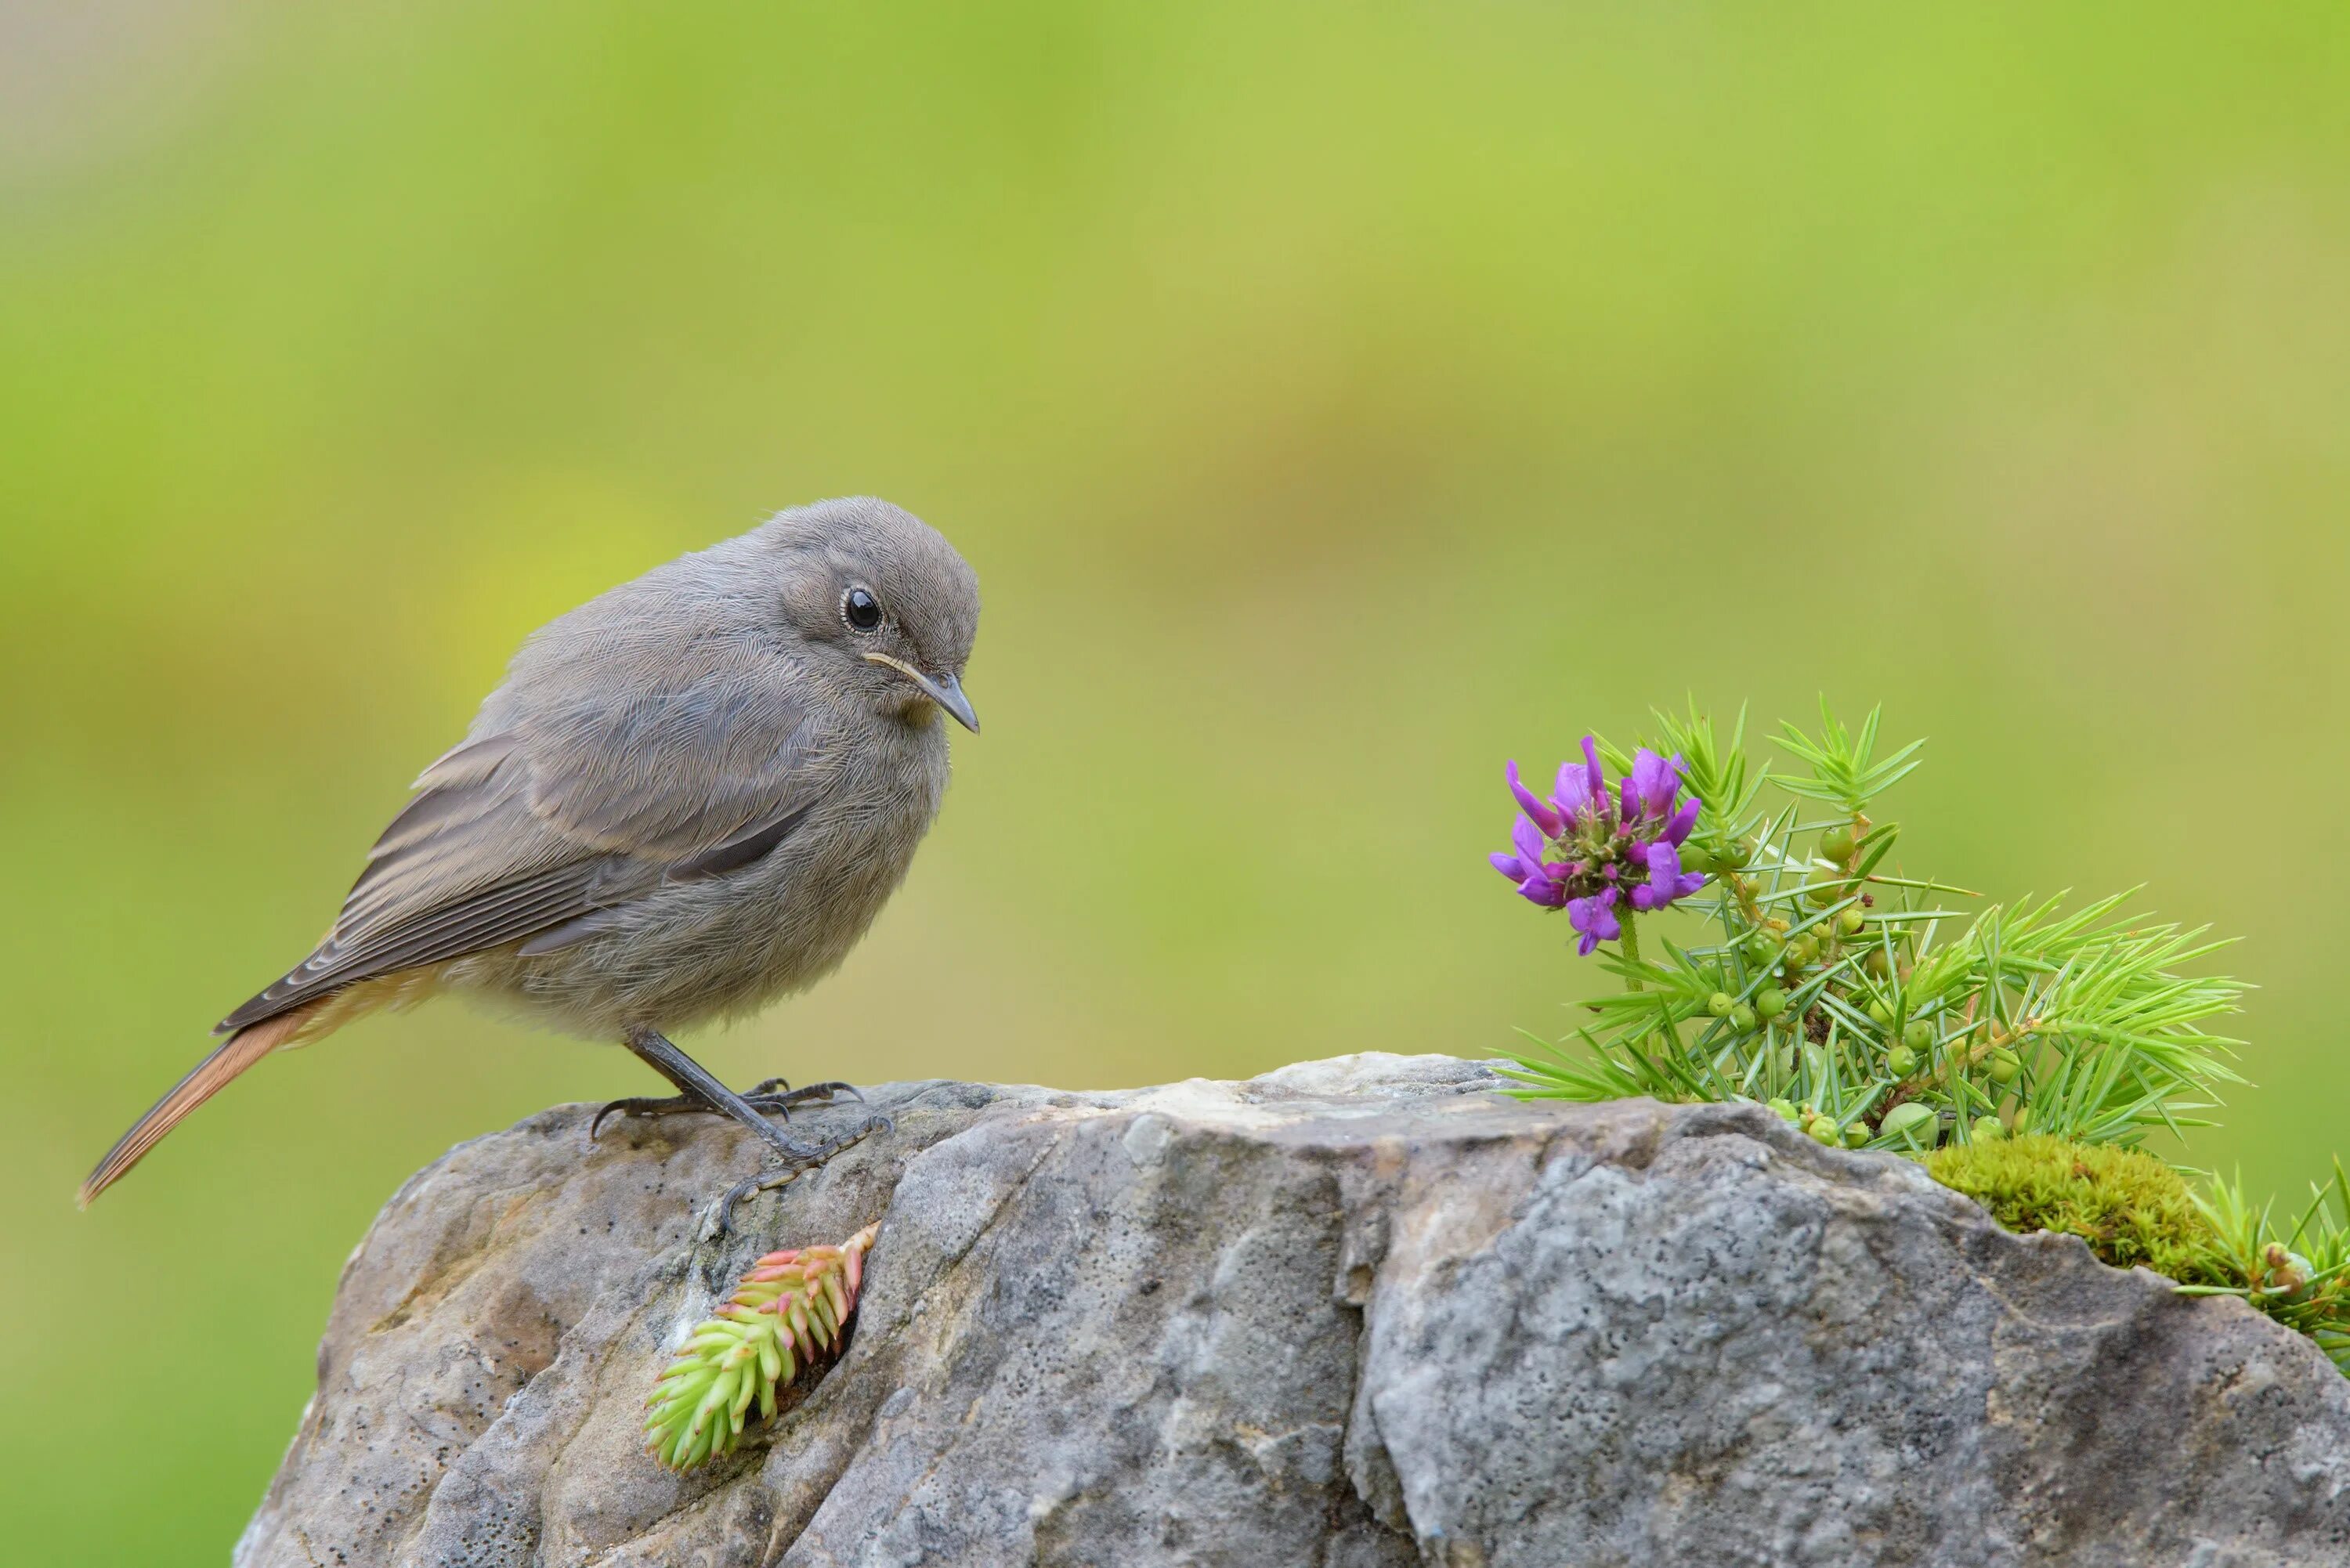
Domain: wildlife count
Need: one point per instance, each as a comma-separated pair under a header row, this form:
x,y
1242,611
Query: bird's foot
x,y
772,1098
795,1159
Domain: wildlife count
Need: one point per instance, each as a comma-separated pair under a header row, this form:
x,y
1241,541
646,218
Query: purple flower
x,y
1595,917
1582,790
1544,815
1667,882
1528,859
1539,883
1649,787
1586,848
1542,890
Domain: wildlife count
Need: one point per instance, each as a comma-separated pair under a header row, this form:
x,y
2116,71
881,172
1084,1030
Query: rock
x,y
1351,1313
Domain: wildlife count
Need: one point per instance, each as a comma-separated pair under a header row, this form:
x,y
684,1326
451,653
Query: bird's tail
x,y
233,1056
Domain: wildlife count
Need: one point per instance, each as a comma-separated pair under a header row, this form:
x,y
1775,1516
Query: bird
x,y
689,796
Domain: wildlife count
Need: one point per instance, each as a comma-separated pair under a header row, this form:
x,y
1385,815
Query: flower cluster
x,y
1591,851
2022,1052
786,1311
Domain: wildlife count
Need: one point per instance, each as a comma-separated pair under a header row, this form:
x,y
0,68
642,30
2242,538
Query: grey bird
x,y
691,796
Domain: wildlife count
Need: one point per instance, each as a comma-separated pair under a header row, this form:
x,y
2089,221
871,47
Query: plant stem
x,y
1743,891
1631,951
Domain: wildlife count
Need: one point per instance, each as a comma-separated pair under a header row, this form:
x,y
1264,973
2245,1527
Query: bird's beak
x,y
944,690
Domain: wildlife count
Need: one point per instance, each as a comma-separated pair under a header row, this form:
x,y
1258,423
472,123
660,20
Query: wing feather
x,y
575,809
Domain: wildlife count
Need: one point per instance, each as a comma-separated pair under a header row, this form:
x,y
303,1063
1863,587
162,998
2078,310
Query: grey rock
x,y
1353,1314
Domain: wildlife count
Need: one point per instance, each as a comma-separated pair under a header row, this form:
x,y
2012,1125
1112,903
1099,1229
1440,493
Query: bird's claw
x,y
805,1095
638,1105
772,1096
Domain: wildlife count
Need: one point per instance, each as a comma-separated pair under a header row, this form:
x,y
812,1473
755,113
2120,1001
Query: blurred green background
x,y
1334,400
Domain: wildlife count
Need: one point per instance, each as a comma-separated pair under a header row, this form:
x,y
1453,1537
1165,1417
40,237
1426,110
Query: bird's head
x,y
884,602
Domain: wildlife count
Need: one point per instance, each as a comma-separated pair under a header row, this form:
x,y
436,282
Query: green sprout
x,y
788,1311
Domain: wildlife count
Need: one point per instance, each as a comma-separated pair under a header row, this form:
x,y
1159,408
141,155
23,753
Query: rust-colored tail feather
x,y
233,1056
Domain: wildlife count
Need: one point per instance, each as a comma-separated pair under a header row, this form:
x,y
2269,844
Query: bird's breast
x,y
725,945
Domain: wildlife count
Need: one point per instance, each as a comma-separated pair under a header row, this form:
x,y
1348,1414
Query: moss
x,y
2130,1208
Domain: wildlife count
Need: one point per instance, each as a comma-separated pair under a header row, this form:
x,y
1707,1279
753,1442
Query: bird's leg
x,y
696,1083
774,1096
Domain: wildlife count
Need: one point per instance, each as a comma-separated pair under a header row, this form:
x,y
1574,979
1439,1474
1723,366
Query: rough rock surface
x,y
1353,1312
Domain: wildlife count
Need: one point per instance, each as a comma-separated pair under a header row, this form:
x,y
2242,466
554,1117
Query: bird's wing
x,y
568,810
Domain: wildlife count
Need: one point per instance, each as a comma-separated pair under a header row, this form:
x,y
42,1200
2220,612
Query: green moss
x,y
2130,1208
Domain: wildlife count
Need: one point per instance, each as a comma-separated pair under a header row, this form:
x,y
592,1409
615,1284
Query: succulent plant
x,y
785,1315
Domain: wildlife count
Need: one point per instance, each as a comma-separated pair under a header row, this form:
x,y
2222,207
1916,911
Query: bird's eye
x,y
860,609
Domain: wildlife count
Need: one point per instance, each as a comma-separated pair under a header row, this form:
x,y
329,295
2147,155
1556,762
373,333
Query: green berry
x,y
1919,1036
1823,894
1786,1109
2284,1272
1849,921
1770,1001
1804,951
1901,1061
1741,1018
2022,1120
1908,1117
1836,845
1875,966
2003,1066
1761,947
1880,1015
1720,1004
1988,1129
1856,1136
1823,1131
